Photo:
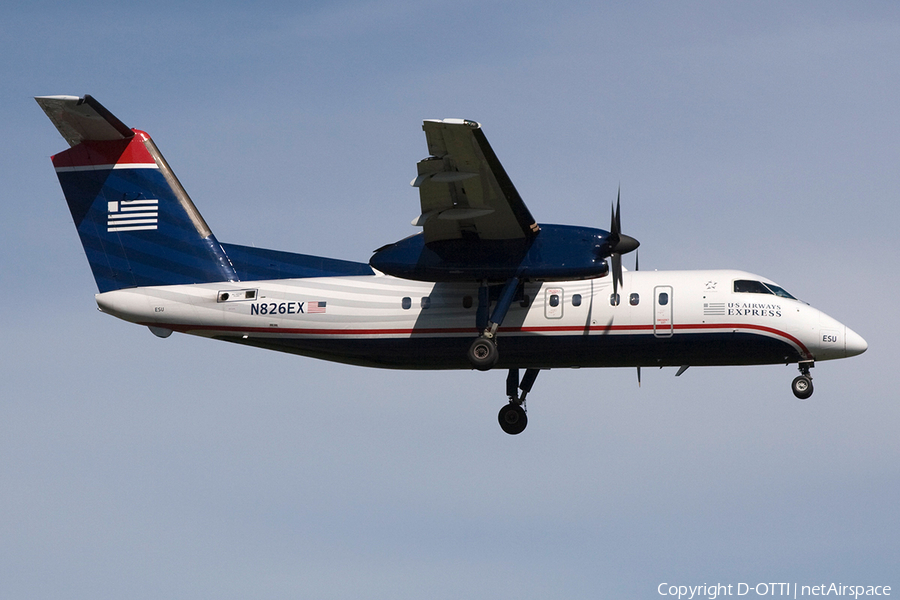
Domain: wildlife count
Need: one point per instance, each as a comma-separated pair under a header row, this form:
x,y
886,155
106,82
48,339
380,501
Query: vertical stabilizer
x,y
137,224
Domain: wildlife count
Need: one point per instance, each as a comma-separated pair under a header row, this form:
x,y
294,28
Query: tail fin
x,y
137,224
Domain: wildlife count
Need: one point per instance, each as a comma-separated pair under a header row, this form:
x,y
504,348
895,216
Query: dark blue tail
x,y
137,224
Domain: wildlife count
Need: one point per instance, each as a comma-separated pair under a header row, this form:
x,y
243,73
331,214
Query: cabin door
x,y
662,311
553,303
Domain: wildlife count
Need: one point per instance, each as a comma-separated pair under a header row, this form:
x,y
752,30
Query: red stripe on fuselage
x,y
737,326
647,328
724,327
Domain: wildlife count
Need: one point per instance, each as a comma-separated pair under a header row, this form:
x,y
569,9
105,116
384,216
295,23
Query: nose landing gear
x,y
802,386
512,417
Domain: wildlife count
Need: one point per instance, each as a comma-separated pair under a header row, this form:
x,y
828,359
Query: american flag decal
x,y
132,215
315,307
714,309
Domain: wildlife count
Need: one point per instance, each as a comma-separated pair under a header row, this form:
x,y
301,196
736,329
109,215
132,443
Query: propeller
x,y
618,243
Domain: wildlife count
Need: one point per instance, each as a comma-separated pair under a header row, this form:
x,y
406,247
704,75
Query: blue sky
x,y
760,136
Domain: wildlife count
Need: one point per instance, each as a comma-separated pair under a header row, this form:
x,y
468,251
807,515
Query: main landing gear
x,y
483,352
512,417
802,386
483,355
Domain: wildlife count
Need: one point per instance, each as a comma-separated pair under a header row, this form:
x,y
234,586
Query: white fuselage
x,y
663,318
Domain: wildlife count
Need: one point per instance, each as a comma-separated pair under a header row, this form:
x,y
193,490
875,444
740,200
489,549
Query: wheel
x,y
802,387
512,419
483,353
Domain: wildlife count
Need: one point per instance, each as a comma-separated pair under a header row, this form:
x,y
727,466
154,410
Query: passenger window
x,y
663,298
554,300
634,299
614,299
576,300
525,301
467,301
426,302
406,303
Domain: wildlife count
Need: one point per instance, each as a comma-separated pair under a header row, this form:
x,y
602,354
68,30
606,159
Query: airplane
x,y
482,286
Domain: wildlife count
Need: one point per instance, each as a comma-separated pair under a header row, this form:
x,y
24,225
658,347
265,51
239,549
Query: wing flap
x,y
464,190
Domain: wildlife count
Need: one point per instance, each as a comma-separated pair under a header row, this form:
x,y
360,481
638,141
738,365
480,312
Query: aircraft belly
x,y
540,351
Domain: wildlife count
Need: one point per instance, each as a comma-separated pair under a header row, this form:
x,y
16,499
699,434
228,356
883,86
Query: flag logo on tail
x,y
132,215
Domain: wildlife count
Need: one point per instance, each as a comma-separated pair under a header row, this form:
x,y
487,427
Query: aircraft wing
x,y
464,190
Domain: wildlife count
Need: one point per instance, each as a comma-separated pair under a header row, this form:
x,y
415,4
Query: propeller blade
x,y
636,263
613,231
616,259
639,376
619,211
616,241
618,244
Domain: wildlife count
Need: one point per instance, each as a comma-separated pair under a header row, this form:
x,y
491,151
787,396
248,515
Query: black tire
x,y
483,353
513,419
802,387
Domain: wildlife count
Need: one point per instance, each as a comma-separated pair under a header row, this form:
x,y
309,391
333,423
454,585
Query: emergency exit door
x,y
553,303
662,311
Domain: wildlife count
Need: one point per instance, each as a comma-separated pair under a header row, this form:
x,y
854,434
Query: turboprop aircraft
x,y
482,286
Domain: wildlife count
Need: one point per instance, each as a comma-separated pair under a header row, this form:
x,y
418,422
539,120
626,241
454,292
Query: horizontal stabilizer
x,y
83,119
136,222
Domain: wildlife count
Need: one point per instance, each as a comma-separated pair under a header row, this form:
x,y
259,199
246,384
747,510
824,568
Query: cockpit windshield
x,y
779,291
749,286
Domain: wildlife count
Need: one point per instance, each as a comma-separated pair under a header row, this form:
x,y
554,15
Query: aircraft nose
x,y
854,343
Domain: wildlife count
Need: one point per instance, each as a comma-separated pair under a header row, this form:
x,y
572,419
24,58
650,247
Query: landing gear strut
x,y
802,386
483,352
512,417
